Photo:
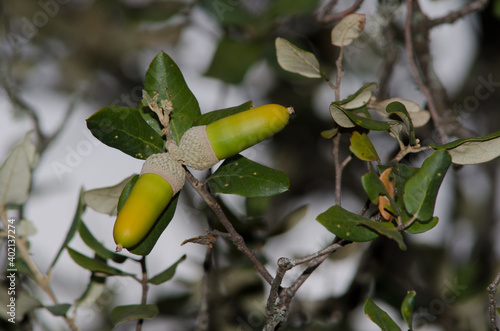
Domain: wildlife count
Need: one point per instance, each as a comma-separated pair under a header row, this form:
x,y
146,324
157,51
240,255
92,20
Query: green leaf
x,y
379,317
94,265
145,246
399,109
216,115
98,247
126,192
421,190
362,147
348,119
293,59
345,224
407,308
167,274
15,172
238,175
73,227
473,150
348,29
127,313
105,200
125,129
359,99
165,78
386,229
421,227
373,186
60,309
232,59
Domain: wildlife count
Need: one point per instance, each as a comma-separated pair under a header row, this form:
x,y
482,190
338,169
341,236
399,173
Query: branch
x,y
453,16
417,75
324,15
232,234
492,291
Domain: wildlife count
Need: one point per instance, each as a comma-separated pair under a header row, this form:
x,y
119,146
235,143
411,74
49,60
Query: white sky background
x,y
53,201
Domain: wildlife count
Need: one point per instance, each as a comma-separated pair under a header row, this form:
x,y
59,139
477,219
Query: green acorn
x,y
201,147
161,178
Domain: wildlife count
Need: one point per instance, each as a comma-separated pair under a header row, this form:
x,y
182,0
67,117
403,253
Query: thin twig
x,y
232,235
325,16
145,287
492,291
453,16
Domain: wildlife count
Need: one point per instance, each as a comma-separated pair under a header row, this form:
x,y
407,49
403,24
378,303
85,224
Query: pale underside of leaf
x,y
348,29
419,116
363,97
105,200
15,173
475,152
296,60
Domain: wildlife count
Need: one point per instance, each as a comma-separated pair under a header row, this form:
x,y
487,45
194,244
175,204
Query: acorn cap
x,y
165,166
196,150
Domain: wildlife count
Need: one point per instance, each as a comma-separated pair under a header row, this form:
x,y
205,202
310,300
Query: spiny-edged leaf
x,y
296,60
165,78
348,29
360,98
386,229
105,200
145,246
473,150
238,175
167,274
407,308
125,129
339,115
98,247
216,115
59,310
362,147
346,225
94,265
232,59
421,190
373,186
127,313
15,172
73,227
421,227
419,116
399,109
379,317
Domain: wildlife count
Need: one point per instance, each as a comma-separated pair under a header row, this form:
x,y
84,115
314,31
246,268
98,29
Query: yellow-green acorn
x,y
201,147
161,178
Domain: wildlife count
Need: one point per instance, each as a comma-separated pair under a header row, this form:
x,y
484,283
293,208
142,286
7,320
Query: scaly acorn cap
x,y
195,148
164,165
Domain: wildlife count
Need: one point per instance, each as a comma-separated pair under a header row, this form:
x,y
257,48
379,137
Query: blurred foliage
x,y
106,45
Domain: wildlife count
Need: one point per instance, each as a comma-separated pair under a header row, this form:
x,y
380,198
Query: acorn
x,y
201,147
160,179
